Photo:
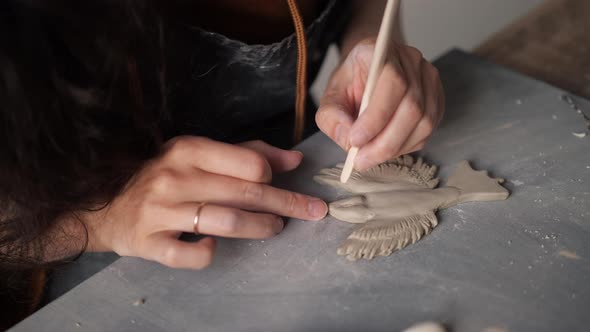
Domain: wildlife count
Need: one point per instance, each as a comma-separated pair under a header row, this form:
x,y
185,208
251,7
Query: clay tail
x,y
476,185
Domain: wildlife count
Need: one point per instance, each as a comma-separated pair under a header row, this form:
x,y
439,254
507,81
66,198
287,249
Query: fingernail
x,y
298,152
358,137
317,208
278,225
342,135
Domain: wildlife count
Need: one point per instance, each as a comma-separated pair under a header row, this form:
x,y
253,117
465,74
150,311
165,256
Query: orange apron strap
x,y
301,91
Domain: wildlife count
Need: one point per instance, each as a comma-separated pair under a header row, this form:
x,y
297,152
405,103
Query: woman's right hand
x,y
160,202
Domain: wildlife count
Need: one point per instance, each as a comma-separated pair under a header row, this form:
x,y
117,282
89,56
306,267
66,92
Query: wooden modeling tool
x,y
384,38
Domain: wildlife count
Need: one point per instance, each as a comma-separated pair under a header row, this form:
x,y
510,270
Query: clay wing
x,y
383,237
402,173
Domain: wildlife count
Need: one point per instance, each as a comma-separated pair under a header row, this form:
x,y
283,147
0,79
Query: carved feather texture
x,y
383,237
398,174
403,168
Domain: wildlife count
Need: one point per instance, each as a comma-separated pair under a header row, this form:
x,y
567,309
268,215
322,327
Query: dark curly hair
x,y
82,107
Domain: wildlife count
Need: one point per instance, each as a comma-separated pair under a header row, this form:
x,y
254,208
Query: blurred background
x,y
434,26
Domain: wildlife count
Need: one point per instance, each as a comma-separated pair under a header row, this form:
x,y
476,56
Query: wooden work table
x,y
551,43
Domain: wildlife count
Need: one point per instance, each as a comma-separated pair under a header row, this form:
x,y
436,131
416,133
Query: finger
x,y
236,223
419,146
178,254
431,109
217,157
252,196
280,160
389,91
335,114
215,220
388,143
201,186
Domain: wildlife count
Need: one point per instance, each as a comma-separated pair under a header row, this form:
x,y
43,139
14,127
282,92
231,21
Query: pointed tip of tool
x,y
348,164
344,176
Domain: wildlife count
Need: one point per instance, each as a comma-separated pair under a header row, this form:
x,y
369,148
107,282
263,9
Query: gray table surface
x,y
508,265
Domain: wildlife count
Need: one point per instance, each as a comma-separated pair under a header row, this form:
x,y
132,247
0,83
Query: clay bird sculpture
x,y
396,202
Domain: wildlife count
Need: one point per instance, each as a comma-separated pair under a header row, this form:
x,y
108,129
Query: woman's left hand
x,y
406,105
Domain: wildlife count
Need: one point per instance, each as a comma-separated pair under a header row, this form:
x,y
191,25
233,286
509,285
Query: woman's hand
x,y
160,202
407,104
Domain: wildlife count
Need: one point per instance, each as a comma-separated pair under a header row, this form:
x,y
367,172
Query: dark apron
x,y
233,91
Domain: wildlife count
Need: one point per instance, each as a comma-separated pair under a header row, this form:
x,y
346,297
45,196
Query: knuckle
x,y
292,203
414,53
401,82
206,258
434,72
379,120
426,126
326,110
413,111
252,192
258,142
176,143
229,223
170,143
396,76
385,150
181,146
268,230
170,257
430,125
319,116
258,167
416,101
163,182
415,148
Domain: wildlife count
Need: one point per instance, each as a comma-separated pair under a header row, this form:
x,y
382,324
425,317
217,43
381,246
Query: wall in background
x,y
434,26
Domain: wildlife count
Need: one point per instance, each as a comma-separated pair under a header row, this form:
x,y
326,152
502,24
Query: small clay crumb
x,y
133,321
495,329
78,324
568,254
426,327
139,302
579,135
